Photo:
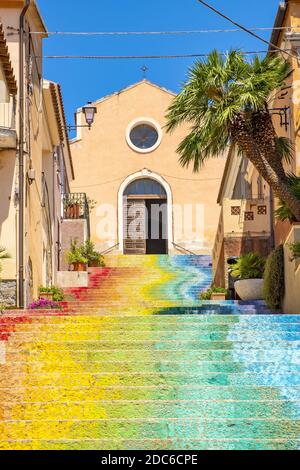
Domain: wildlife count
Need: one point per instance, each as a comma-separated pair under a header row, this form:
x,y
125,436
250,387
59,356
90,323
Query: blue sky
x,y
83,80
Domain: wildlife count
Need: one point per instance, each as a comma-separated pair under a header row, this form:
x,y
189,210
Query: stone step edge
x,y
191,332
155,441
162,374
153,420
150,319
148,402
173,351
149,387
154,341
197,362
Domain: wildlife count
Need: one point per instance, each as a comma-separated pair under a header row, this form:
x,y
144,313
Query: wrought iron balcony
x,y
8,137
75,207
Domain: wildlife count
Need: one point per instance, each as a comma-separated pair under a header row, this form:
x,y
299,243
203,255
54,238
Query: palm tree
x,y
225,101
3,255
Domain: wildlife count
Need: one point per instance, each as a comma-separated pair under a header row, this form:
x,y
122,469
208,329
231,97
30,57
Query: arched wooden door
x,y
145,218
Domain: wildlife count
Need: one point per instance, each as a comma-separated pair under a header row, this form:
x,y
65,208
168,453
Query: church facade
x,y
144,201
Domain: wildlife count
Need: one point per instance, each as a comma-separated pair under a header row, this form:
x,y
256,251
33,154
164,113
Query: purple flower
x,y
44,304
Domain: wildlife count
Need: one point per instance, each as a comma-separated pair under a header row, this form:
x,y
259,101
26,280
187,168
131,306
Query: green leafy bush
x,y
249,266
295,249
74,255
207,295
274,279
58,294
94,257
284,212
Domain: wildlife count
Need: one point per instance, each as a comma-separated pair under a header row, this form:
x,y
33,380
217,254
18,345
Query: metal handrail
x,y
178,247
105,252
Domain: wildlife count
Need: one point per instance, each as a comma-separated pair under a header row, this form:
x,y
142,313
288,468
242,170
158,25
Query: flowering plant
x,y
44,304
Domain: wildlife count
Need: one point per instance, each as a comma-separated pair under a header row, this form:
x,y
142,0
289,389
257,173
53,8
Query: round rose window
x,y
144,136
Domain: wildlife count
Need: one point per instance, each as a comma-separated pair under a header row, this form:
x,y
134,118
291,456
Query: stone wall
x,y
8,292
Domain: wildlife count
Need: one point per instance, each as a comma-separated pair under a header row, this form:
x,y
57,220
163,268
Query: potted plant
x,y
95,259
215,293
45,293
76,259
249,271
51,293
72,207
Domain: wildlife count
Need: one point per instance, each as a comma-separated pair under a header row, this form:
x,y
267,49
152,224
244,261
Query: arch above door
x,y
145,174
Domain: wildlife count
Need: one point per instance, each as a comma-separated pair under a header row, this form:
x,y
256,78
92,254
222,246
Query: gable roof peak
x,y
144,81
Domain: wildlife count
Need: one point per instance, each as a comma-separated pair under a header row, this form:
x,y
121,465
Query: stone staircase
x,y
148,366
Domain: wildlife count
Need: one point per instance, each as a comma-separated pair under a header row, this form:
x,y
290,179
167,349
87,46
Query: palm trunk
x,y
264,161
263,133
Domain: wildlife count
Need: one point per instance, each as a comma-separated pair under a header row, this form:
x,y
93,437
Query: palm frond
x,y
284,149
217,91
283,212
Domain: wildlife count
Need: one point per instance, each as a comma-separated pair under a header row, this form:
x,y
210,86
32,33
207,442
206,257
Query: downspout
x,y
272,208
21,154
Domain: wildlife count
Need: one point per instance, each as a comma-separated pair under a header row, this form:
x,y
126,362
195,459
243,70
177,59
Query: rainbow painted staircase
x,y
136,361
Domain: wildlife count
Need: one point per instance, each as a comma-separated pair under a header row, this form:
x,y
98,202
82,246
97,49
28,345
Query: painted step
x,y
120,327
150,409
116,355
156,336
195,368
189,345
142,379
153,428
149,321
77,393
153,444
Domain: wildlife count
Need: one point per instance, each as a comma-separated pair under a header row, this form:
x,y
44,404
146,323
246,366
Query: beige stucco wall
x,y
103,160
40,142
8,213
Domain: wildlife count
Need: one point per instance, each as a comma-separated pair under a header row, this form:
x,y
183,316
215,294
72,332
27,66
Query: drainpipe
x,y
272,208
21,154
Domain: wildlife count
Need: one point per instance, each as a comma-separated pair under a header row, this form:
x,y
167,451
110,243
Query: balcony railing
x,y
8,115
75,207
8,137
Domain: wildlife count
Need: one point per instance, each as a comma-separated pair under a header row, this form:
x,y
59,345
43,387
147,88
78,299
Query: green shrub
x,y
93,256
295,249
213,290
74,255
58,294
274,279
249,266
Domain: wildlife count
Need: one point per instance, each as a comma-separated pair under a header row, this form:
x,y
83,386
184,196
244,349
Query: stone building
x,y
45,168
128,165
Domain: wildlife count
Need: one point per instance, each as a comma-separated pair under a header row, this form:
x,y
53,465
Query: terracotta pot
x,y
250,289
72,211
46,296
94,264
79,267
218,296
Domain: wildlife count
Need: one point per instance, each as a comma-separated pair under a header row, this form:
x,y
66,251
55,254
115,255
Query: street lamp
x,y
89,112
